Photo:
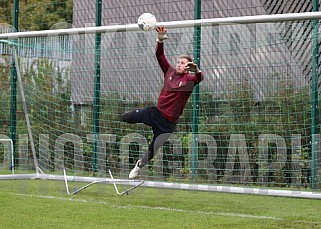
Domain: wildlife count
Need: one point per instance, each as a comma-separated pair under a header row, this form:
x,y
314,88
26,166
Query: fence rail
x,y
53,47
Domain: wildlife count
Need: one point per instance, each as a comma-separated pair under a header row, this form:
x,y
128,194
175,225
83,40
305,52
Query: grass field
x,y
45,204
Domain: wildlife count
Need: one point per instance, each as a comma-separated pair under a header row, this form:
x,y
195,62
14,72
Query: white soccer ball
x,y
147,21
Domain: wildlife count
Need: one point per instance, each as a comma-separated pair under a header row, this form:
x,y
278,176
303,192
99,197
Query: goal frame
x,y
134,27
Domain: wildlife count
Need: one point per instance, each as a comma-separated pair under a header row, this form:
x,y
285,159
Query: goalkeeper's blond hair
x,y
185,56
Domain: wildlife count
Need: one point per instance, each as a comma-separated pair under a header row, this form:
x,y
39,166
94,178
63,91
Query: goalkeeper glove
x,y
192,67
161,34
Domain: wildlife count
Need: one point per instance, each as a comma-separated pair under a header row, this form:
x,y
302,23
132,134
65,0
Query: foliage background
x,y
37,15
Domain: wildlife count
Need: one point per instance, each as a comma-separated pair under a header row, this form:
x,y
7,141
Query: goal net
x,y
250,123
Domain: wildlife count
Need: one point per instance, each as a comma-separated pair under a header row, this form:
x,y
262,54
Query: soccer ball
x,y
147,21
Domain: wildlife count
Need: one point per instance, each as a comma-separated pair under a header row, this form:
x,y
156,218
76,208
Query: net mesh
x,y
254,107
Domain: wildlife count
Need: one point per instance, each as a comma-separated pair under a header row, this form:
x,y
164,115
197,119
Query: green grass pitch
x,y
45,204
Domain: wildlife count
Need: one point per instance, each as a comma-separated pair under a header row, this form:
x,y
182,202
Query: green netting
x,y
254,108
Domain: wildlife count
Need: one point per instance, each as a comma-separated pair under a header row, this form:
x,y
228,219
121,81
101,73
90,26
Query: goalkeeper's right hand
x,y
161,34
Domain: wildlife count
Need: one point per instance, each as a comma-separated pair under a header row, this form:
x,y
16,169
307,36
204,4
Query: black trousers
x,y
162,128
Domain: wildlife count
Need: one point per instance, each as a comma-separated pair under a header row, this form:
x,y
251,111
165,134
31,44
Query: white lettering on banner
x,y
124,150
268,161
102,156
59,157
237,148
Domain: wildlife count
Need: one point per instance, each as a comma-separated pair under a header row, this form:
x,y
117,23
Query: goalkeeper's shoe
x,y
134,171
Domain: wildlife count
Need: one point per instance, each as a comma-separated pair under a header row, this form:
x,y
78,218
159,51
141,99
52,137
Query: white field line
x,y
228,214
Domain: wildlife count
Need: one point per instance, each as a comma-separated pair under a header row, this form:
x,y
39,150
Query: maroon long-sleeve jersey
x,y
177,88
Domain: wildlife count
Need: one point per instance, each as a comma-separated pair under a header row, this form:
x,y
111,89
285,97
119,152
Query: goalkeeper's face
x,y
181,65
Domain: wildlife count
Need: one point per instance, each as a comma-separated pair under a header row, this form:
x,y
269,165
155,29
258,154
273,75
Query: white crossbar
x,y
170,24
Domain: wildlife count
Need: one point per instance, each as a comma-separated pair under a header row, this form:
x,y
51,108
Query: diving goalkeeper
x,y
179,82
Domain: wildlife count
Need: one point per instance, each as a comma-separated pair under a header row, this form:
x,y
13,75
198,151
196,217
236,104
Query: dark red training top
x,y
177,88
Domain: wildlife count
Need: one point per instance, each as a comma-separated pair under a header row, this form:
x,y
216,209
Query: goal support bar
x,y
24,103
134,183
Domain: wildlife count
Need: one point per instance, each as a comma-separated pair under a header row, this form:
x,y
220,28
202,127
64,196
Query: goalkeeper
x,y
178,85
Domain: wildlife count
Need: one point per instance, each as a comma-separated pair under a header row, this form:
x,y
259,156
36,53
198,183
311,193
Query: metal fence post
x,y
314,95
195,123
13,91
96,108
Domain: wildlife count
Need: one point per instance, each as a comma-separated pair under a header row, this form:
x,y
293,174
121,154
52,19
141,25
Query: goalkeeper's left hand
x,y
161,32
192,67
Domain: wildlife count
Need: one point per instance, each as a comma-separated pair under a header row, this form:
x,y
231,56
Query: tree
x,y
5,11
37,15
